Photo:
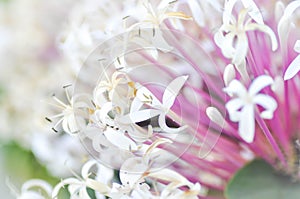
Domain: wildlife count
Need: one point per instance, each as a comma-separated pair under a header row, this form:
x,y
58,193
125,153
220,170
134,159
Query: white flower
x,y
154,16
145,97
115,89
146,32
78,187
242,108
294,67
232,37
69,116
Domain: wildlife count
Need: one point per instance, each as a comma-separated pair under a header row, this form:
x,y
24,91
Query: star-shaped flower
x,y
145,97
242,108
232,36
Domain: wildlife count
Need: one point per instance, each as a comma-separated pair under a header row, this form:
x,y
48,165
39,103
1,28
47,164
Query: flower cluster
x,y
174,103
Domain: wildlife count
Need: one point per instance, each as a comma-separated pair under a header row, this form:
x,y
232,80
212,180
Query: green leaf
x,y
21,165
259,180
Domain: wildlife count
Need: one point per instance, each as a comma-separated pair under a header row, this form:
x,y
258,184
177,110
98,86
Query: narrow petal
x,y
247,124
85,171
36,183
227,49
163,125
292,69
146,96
233,107
235,87
139,116
265,29
169,176
268,103
103,113
297,46
97,186
219,38
120,140
241,49
259,83
172,91
229,74
253,11
285,21
136,105
156,143
132,171
228,11
214,115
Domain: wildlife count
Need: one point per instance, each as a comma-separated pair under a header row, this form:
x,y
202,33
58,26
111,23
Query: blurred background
x,y
32,68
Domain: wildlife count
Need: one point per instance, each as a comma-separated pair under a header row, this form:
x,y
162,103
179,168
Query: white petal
x,y
229,74
228,7
254,12
156,143
120,140
103,112
165,128
219,38
136,105
139,116
291,8
236,87
139,134
247,124
153,53
268,103
292,69
85,171
132,171
266,29
97,186
36,183
120,62
104,174
172,91
72,123
31,195
227,49
297,46
242,69
233,107
215,115
241,49
144,95
259,83
169,176
159,42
